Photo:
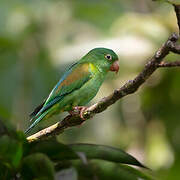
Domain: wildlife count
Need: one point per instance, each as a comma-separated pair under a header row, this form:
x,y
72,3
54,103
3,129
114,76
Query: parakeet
x,y
79,84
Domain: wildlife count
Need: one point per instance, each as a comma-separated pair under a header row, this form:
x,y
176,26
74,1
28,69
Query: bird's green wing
x,y
72,80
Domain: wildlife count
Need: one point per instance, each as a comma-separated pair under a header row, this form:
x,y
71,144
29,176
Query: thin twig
x,y
169,64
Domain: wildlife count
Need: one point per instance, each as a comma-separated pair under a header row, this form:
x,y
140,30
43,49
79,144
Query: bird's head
x,y
105,59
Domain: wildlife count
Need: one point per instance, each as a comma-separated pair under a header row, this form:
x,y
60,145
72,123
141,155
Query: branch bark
x,y
169,64
177,11
128,88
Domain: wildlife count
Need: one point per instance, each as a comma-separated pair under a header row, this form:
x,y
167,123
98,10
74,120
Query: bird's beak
x,y
115,66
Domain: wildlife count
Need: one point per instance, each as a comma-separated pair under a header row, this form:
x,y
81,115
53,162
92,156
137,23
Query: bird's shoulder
x,y
74,78
75,74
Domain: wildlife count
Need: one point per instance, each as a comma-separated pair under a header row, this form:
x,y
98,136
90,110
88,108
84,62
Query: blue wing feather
x,y
57,94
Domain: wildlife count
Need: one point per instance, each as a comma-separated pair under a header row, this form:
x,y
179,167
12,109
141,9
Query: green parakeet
x,y
79,84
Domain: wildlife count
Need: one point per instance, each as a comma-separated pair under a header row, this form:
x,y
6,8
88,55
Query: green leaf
x,y
57,151
104,170
5,172
93,151
11,151
7,128
37,166
53,149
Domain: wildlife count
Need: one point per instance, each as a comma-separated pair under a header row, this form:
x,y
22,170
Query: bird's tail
x,y
36,121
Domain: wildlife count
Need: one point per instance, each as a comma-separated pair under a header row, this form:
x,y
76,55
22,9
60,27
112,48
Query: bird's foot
x,y
79,109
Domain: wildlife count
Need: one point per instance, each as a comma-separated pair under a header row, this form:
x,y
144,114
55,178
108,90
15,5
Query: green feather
x,y
79,84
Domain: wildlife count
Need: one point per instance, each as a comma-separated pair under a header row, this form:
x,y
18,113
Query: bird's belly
x,y
81,96
85,95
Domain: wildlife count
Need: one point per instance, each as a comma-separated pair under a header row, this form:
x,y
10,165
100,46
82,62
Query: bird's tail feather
x,y
36,121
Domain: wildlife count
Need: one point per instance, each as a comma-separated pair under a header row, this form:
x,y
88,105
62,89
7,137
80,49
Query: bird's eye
x,y
108,56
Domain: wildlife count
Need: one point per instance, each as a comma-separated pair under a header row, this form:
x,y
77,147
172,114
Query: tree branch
x,y
128,88
169,64
177,11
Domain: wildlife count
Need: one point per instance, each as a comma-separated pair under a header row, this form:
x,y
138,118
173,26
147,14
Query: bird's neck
x,y
99,73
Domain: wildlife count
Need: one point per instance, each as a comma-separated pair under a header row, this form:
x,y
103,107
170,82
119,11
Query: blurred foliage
x,y
48,159
39,39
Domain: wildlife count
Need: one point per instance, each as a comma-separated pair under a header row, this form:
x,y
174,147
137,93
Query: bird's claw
x,y
79,109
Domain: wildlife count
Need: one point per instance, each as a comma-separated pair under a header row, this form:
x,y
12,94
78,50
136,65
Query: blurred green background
x,y
39,39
